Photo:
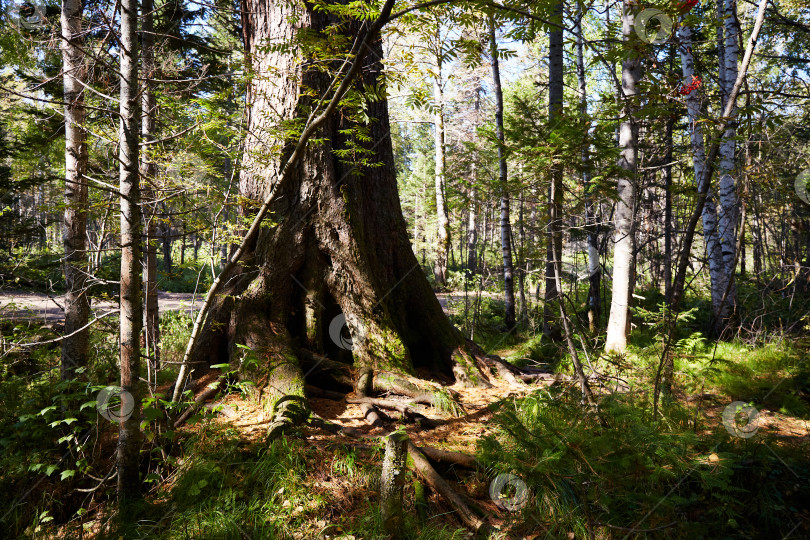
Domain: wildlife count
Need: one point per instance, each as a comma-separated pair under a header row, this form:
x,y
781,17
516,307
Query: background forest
x,y
562,246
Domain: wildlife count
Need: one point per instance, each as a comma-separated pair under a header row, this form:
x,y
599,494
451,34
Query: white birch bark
x,y
619,321
711,239
727,189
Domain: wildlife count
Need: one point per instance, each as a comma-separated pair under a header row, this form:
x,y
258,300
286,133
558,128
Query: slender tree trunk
x,y
711,238
129,484
594,268
556,85
472,229
506,226
619,321
167,248
77,305
668,210
728,208
442,220
149,174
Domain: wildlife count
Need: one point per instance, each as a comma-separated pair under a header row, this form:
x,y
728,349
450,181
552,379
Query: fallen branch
x,y
204,396
426,471
451,457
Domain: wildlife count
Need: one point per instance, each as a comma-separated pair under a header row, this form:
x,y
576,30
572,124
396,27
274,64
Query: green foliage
x,y
635,472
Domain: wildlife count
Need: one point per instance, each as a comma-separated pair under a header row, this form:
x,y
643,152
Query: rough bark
x,y
77,305
131,318
392,482
334,246
506,225
619,321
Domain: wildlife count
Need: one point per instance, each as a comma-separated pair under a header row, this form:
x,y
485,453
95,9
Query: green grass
x,y
637,472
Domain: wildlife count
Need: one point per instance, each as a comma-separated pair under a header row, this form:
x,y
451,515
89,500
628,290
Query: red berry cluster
x,y
687,5
687,89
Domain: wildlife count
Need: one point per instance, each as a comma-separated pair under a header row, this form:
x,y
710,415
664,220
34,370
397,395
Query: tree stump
x,y
392,482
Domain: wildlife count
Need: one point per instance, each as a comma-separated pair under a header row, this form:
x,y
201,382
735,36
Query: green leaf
x,y
67,474
88,404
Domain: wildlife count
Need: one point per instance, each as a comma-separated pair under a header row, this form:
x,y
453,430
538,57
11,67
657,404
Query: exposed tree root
x,y
450,457
370,412
408,414
426,471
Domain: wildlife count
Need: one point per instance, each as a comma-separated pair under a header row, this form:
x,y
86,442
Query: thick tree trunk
x,y
619,321
131,322
506,225
77,305
149,174
335,251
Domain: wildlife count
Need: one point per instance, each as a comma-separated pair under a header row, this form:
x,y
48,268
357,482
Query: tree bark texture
x,y
77,305
131,318
331,270
392,482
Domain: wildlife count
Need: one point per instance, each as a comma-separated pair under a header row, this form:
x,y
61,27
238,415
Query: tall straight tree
x,y
728,211
131,316
442,219
556,85
503,185
594,268
149,175
77,305
619,321
711,239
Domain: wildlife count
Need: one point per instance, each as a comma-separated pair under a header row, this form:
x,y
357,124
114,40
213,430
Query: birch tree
x,y
619,321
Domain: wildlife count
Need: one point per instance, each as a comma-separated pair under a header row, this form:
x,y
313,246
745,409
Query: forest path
x,y
30,305
49,307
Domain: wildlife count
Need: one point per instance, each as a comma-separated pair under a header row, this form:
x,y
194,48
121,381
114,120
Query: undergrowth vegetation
x,y
621,471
